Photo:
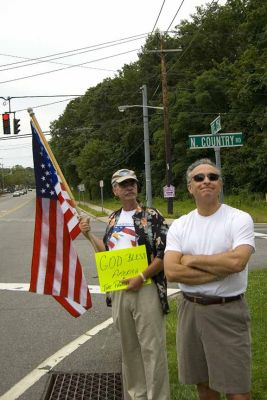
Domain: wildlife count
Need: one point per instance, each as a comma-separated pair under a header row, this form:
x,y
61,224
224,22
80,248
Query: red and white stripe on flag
x,y
56,269
70,214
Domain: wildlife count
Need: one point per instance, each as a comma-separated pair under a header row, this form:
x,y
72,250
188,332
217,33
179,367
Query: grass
x,y
92,211
256,208
256,297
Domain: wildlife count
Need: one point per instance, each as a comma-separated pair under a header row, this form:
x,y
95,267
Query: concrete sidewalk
x,y
108,212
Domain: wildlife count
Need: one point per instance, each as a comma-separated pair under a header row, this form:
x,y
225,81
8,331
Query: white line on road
x,y
261,235
24,287
93,289
47,365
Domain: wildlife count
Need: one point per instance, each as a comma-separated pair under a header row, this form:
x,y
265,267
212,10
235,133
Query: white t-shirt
x,y
222,231
123,235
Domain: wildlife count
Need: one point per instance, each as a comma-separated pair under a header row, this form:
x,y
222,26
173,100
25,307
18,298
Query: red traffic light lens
x,y
5,117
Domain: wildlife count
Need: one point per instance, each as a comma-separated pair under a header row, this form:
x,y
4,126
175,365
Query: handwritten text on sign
x,y
114,266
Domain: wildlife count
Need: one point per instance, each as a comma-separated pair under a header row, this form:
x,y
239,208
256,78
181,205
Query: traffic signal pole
x,y
6,119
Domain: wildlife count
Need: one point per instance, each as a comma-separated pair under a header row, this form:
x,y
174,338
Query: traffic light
x,y
6,124
16,126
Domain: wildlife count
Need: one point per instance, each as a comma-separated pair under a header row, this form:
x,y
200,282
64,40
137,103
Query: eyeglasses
x,y
130,182
201,177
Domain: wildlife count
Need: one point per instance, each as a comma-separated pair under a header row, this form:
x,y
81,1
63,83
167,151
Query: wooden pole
x,y
166,125
52,157
59,172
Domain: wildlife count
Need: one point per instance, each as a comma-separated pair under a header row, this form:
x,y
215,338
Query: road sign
x,y
81,187
168,191
215,125
221,140
101,183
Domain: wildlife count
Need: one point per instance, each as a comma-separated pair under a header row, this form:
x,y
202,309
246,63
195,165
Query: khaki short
x,y
214,345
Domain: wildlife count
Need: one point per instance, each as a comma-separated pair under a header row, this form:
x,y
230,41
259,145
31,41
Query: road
x,y
35,327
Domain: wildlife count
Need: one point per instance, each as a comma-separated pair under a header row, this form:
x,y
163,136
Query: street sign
x,y
221,140
101,183
168,191
215,125
81,187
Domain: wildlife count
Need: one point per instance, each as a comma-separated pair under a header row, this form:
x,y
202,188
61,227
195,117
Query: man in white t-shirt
x,y
139,311
207,252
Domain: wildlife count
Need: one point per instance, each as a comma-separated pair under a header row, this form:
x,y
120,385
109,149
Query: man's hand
x,y
84,224
134,284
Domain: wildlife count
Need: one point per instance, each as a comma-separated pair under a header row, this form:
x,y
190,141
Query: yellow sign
x,y
117,265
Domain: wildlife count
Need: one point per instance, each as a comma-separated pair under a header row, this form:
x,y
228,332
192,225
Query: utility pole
x,y
166,125
147,148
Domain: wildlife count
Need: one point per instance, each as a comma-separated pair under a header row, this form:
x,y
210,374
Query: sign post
x,y
101,184
169,191
81,188
215,125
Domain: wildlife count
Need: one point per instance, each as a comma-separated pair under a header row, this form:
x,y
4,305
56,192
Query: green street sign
x,y
215,125
220,140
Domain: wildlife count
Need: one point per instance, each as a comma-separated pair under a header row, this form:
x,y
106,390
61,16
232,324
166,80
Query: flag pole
x,y
57,168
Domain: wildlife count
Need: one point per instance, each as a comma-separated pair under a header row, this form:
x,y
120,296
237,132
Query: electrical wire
x,y
162,5
72,66
120,162
214,2
41,60
175,15
141,35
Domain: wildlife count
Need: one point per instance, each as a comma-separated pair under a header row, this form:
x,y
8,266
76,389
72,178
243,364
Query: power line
x,y
175,15
72,66
158,16
214,2
43,59
26,135
140,36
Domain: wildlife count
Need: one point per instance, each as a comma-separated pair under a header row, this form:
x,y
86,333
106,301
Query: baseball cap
x,y
122,175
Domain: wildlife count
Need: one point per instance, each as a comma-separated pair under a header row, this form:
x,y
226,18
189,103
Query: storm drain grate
x,y
95,386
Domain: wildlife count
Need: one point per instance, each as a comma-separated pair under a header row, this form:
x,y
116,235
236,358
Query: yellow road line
x,y
16,208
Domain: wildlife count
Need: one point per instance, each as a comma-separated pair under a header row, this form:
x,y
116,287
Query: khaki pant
x,y
138,317
214,345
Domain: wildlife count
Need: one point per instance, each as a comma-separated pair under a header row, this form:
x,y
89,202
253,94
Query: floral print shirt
x,y
151,230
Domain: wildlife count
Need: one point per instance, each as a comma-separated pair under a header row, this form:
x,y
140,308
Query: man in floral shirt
x,y
139,311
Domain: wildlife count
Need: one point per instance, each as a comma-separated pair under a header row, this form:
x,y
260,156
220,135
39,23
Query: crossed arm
x,y
199,269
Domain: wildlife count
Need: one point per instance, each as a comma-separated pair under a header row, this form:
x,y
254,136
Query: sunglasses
x,y
211,176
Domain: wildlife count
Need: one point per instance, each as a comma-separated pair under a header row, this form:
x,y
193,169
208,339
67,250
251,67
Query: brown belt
x,y
207,300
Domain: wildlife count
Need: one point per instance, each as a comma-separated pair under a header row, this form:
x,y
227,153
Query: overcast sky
x,y
32,29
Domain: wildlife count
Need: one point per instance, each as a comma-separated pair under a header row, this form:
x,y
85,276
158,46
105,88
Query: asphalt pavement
x,y
38,336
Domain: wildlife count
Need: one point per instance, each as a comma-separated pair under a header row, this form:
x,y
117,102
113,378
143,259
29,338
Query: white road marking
x,y
261,235
94,289
46,366
24,287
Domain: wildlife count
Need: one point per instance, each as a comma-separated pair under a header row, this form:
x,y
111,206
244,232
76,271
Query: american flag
x,y
56,269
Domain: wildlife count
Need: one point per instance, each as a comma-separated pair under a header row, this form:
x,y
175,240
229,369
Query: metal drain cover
x,y
95,386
